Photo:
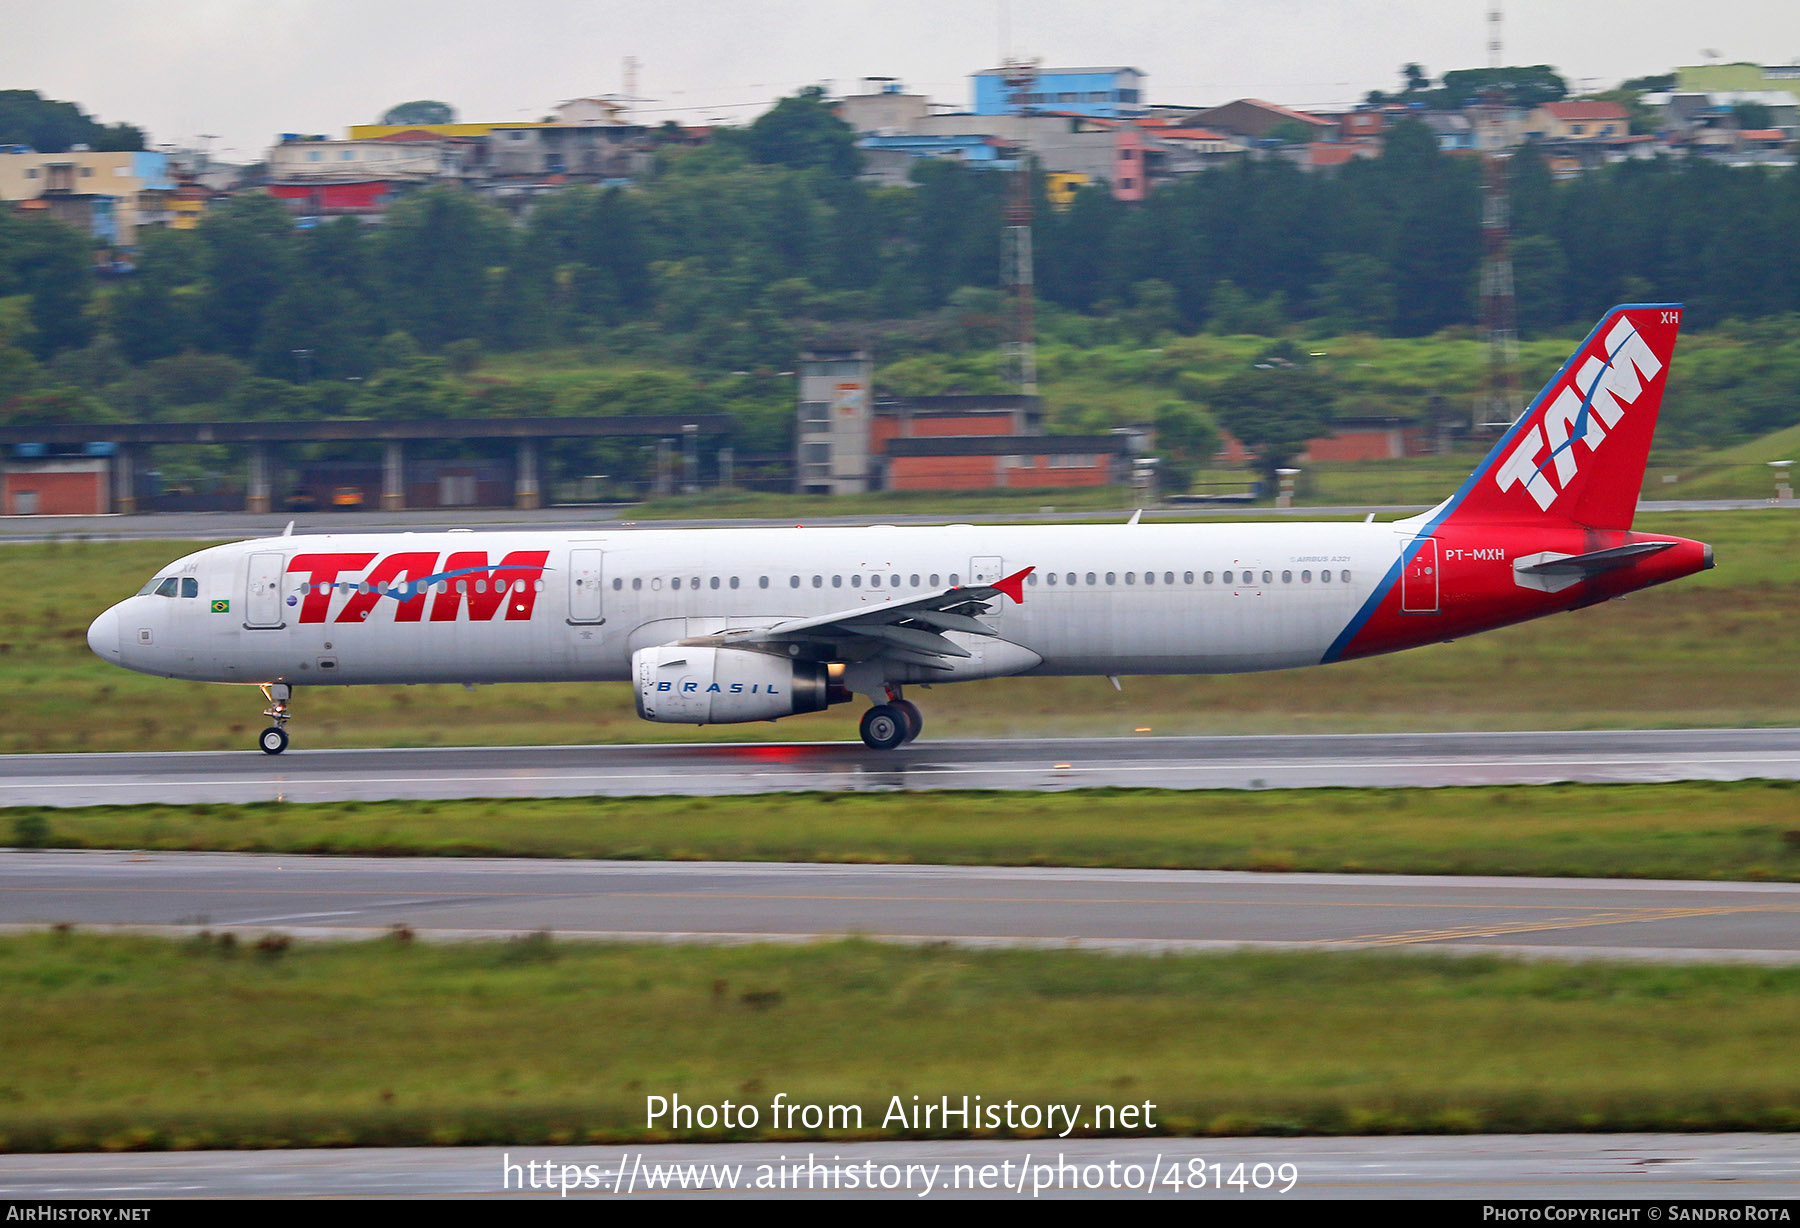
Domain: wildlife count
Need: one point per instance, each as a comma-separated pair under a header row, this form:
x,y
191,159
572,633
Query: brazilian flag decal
x,y
221,607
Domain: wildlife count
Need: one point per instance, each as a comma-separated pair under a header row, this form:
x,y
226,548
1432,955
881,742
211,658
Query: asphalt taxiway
x,y
732,902
700,769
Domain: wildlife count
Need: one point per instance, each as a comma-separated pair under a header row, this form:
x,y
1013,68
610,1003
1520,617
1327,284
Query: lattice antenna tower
x,y
1498,404
1019,349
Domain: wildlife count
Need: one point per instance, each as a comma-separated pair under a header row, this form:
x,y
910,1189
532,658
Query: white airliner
x,y
717,626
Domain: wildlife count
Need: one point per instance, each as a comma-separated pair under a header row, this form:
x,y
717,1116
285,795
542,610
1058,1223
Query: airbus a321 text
x,y
726,625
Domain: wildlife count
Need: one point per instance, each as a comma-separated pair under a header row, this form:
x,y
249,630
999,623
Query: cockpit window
x,y
190,587
150,586
168,587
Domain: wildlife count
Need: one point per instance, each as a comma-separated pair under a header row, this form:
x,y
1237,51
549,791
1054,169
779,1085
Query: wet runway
x,y
699,769
1125,910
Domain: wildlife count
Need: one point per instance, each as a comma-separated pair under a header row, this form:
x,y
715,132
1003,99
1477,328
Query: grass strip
x,y
140,1043
1739,830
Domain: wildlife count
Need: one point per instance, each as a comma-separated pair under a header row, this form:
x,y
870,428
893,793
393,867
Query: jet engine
x,y
721,686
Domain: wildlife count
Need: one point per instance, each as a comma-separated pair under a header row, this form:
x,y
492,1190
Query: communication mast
x,y
1498,404
1019,349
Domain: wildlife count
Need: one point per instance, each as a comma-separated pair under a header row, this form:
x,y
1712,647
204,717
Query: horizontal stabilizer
x,y
1554,572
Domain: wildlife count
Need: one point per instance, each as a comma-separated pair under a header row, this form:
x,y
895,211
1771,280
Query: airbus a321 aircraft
x,y
718,626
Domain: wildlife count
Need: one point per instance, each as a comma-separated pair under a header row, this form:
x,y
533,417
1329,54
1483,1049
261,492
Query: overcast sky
x,y
247,70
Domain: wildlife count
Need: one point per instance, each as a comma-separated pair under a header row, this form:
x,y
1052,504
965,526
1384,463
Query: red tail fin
x,y
1577,455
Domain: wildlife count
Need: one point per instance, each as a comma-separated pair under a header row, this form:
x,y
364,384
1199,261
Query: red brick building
x,y
1010,462
56,486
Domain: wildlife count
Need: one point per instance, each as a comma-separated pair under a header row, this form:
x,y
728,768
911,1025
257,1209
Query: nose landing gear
x,y
274,739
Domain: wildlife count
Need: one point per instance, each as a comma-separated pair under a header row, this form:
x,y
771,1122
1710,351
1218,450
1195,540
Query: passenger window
x,y
1090,577
734,582
462,586
934,580
893,581
714,582
1071,578
190,587
818,581
1131,577
1207,577
1169,577
1112,578
1225,577
953,580
1268,577
837,582
1324,577
856,580
1306,577
1032,579
675,584
1049,578
617,584
637,584
1287,577
1344,576
915,581
874,581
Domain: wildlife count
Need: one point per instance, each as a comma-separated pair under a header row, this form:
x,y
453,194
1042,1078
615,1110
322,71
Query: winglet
x,y
1014,585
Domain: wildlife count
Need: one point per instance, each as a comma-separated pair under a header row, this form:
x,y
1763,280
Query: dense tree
x,y
437,254
1275,407
802,131
26,118
249,250
52,264
1520,86
422,112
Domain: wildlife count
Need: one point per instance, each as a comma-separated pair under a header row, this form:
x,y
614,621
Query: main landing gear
x,y
891,724
274,739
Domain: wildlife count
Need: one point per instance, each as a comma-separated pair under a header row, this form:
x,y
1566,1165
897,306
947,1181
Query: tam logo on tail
x,y
1582,413
1577,455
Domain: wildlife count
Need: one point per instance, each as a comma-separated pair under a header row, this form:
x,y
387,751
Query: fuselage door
x,y
985,569
1419,579
262,591
586,576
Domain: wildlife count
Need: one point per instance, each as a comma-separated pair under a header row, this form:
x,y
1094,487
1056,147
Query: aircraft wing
x,y
910,631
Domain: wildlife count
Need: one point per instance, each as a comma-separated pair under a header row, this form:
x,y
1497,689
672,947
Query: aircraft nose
x,y
103,635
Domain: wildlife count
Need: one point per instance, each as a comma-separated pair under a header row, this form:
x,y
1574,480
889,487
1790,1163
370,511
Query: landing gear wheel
x,y
884,727
273,741
915,719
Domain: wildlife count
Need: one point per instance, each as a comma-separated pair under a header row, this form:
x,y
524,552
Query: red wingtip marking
x,y
1014,585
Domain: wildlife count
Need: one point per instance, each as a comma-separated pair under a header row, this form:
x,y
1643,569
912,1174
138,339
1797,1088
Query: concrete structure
x,y
1255,119
413,156
884,108
109,195
1581,120
848,443
832,436
1112,93
1719,78
126,442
